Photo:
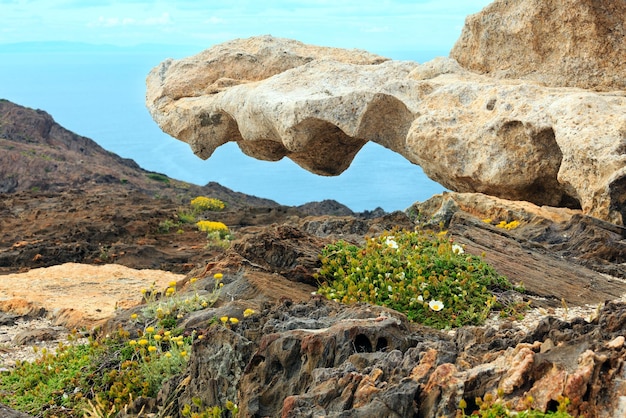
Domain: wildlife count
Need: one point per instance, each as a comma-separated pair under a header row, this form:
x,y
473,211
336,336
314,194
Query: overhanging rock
x,y
318,106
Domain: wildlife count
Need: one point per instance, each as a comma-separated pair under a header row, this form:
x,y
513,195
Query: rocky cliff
x,y
512,138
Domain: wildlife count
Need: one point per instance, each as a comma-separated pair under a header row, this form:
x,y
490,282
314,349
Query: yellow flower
x,y
180,343
144,291
224,319
132,343
201,337
248,312
152,349
158,337
234,321
218,276
143,342
133,316
193,280
183,353
168,354
168,333
172,283
170,291
150,330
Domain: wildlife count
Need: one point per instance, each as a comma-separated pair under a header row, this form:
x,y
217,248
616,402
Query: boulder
x,y
574,43
510,138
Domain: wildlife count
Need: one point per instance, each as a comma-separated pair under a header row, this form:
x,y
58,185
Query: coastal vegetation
x,y
101,375
421,273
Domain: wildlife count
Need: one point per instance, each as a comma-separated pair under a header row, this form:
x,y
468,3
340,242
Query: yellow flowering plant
x,y
203,203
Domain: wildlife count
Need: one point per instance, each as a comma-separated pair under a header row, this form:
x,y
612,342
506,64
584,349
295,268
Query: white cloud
x,y
108,22
214,20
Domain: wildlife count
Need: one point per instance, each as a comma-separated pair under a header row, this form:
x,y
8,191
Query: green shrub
x,y
422,274
159,177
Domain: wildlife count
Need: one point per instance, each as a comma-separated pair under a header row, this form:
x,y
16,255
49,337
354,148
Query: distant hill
x,y
38,154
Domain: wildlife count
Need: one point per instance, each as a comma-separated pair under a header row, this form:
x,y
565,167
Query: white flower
x,y
389,288
435,305
457,249
420,298
391,242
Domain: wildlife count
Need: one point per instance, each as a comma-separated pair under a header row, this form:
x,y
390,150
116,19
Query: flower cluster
x,y
504,224
420,273
202,203
172,305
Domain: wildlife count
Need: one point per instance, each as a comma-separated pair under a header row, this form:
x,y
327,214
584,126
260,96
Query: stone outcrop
x,y
323,359
574,43
513,139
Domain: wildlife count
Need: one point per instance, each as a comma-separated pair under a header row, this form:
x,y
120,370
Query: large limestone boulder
x,y
579,43
318,106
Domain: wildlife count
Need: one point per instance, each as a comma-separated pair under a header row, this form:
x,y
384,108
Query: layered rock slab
x,y
318,106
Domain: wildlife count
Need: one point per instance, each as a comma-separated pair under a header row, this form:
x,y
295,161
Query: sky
x,y
99,92
374,25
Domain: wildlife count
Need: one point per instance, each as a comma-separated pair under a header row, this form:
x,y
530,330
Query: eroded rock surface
x,y
472,133
575,43
323,359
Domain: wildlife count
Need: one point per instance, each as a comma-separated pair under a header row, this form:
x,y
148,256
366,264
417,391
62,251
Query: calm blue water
x,y
100,95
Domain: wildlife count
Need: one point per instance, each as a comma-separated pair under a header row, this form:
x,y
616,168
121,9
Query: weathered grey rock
x,y
6,412
575,43
508,138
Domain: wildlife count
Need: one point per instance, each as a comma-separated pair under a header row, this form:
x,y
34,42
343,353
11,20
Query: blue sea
x,y
98,92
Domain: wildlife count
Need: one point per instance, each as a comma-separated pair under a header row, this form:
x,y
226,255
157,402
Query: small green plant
x,y
202,203
496,407
422,274
166,225
172,305
162,178
210,412
186,217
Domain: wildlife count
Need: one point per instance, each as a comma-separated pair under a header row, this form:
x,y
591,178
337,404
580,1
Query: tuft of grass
x,y
420,273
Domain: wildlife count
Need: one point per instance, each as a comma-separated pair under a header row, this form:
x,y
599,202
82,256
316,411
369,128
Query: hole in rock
x,y
552,406
362,344
381,344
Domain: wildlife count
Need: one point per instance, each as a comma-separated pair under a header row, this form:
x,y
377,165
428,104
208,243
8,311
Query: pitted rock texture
x,y
575,43
318,106
323,359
